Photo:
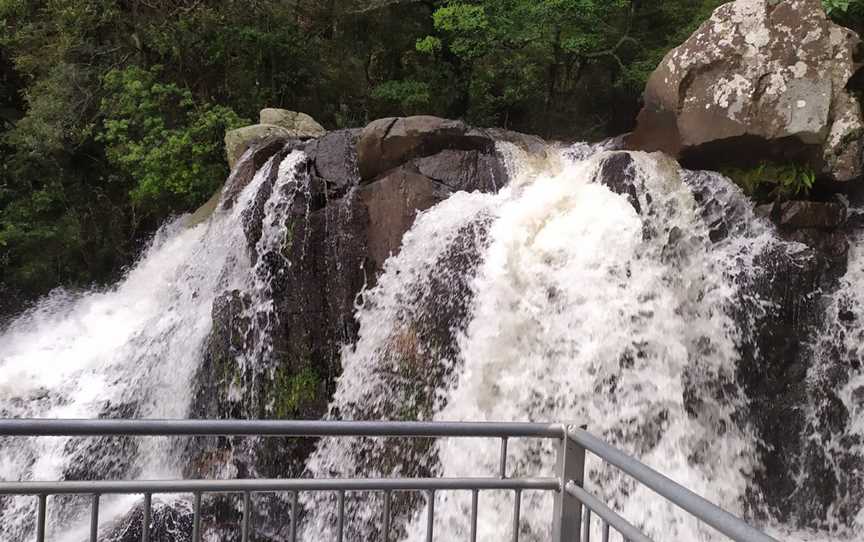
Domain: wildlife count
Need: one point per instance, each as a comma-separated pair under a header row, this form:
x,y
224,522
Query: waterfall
x,y
577,308
628,305
128,351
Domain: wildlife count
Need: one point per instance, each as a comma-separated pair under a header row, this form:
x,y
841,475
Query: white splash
x,y
582,311
129,351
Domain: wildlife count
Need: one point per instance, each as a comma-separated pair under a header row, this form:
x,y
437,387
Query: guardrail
x,y
567,484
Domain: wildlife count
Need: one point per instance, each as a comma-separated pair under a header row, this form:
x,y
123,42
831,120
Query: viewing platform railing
x,y
570,517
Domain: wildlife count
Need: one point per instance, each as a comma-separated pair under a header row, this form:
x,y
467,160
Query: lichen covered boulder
x,y
279,123
761,79
291,120
239,140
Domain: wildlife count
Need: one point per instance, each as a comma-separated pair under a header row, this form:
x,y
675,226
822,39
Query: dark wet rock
x,y
760,80
170,521
392,203
88,459
463,170
819,225
242,174
335,158
531,144
780,307
412,362
386,143
338,232
832,245
811,214
618,172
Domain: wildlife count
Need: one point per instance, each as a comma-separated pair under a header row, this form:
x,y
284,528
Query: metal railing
x,y
570,518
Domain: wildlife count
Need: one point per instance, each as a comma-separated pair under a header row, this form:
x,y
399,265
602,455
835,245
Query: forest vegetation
x,y
112,112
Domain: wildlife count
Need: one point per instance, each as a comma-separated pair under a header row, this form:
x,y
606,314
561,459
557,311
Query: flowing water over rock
x,y
130,351
608,289
577,309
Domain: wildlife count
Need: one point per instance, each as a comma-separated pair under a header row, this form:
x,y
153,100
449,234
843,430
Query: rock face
x,y
237,141
361,191
278,123
244,170
387,143
292,120
392,203
761,79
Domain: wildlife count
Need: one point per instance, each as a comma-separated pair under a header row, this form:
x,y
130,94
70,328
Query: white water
x,y
581,311
578,309
840,341
129,351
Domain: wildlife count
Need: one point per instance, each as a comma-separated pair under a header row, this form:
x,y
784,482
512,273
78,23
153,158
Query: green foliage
x,y
832,6
112,112
410,96
157,134
429,45
292,391
773,181
846,12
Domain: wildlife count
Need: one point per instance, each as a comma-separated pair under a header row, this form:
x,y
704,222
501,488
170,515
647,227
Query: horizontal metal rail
x,y
679,495
273,485
281,428
609,516
566,484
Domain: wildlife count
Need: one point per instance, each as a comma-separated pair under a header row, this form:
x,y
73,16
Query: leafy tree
x,y
112,111
156,134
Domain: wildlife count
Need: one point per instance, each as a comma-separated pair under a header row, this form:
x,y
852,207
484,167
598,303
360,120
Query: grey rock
x,y
300,123
387,143
463,170
239,140
393,202
762,76
251,161
811,214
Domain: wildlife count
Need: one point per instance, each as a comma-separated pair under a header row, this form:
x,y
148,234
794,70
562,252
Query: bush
x,y
157,134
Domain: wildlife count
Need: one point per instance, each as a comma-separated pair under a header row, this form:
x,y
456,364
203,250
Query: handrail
x,y
567,483
284,428
701,508
260,485
608,515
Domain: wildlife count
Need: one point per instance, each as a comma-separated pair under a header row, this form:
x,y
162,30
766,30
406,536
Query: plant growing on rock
x,y
157,134
771,181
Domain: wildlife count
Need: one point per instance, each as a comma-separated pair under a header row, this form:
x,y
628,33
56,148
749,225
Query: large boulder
x,y
334,156
392,203
291,120
387,143
273,123
251,160
406,165
761,79
340,227
239,140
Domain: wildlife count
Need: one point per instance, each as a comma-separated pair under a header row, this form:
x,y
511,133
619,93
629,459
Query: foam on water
x,y
581,310
552,300
128,351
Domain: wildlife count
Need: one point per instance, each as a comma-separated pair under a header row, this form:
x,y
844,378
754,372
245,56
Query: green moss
x,y
292,391
771,180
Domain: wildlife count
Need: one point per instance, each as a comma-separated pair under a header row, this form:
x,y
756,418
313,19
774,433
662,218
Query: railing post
x,y
570,465
145,517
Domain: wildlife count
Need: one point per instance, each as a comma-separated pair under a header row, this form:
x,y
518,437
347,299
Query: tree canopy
x,y
112,112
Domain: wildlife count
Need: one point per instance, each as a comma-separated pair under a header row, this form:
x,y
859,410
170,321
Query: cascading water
x,y
580,310
623,307
131,351
833,447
